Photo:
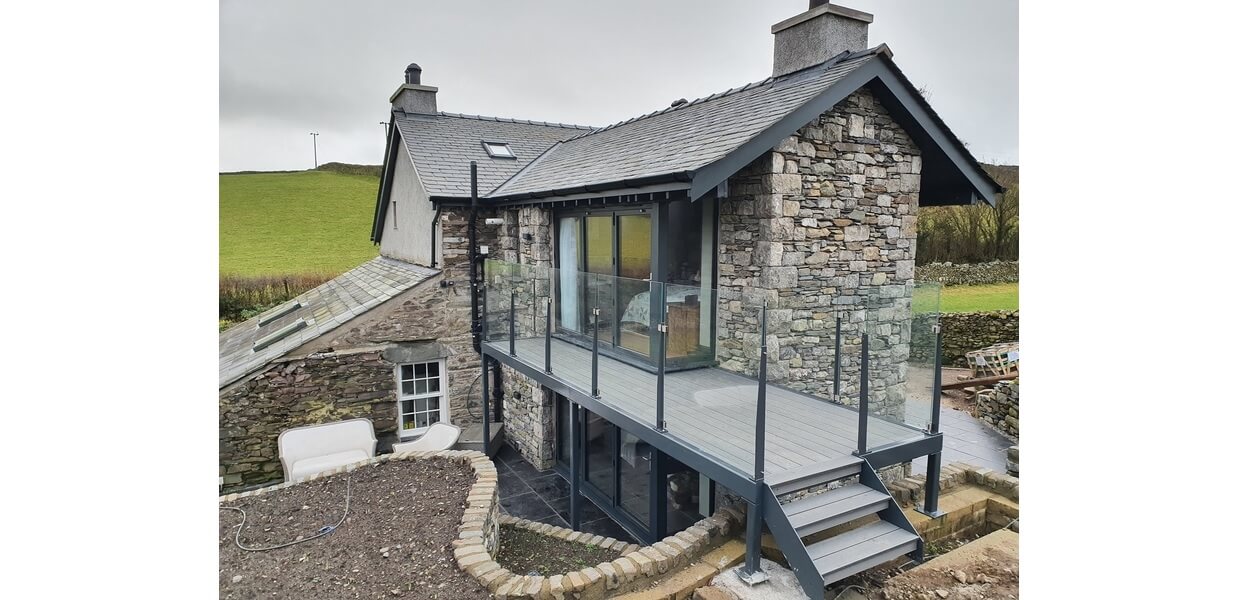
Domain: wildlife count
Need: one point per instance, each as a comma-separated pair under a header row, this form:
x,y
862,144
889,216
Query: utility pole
x,y
386,129
314,149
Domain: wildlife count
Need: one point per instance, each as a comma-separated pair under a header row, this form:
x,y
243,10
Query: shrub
x,y
242,297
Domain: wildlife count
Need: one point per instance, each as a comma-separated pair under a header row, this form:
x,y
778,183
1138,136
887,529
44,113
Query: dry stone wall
x,y
1000,408
821,226
965,332
529,421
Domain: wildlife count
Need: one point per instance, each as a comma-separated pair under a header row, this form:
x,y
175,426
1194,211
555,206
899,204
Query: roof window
x,y
498,149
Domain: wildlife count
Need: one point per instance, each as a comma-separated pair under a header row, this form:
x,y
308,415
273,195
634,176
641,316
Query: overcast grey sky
x,y
289,67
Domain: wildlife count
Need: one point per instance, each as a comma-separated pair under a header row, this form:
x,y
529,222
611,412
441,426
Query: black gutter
x,y
600,187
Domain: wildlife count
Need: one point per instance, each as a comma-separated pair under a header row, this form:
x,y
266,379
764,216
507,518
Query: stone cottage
x,y
555,278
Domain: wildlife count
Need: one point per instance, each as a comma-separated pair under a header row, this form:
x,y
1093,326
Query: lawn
x,y
977,298
302,222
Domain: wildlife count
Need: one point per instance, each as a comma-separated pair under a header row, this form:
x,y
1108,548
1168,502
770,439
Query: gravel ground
x,y
395,542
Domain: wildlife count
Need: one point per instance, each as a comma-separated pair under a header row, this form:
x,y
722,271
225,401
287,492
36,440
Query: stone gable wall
x,y
824,224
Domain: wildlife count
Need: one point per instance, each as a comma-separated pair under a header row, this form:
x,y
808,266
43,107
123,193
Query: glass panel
x,y
688,312
431,369
598,244
410,422
599,453
633,299
636,465
432,403
405,371
433,384
407,388
682,496
407,406
569,254
922,350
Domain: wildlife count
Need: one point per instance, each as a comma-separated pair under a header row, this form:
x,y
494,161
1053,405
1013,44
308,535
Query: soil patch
x,y
986,569
526,552
394,543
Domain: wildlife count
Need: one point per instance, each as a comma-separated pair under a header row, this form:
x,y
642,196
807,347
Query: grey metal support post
x,y
485,406
547,341
933,467
937,381
512,324
750,571
594,357
662,329
837,359
862,444
575,469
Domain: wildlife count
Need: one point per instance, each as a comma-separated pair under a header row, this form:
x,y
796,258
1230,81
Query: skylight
x,y
498,150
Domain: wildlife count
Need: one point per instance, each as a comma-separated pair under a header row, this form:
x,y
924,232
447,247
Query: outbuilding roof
x,y
252,344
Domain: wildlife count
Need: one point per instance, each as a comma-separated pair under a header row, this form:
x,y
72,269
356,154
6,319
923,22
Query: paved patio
x,y
543,496
970,441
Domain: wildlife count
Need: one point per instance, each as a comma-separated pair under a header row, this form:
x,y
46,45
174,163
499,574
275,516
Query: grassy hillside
x,y
977,298
300,222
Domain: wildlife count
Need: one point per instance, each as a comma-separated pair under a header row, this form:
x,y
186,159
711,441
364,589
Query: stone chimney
x,y
819,34
412,97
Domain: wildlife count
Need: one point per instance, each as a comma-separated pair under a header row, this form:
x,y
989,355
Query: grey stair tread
x,y
849,501
812,470
859,549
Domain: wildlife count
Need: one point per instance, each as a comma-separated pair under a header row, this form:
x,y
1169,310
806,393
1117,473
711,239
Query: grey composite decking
x,y
713,410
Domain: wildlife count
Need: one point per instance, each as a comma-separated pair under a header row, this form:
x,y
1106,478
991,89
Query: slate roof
x,y
323,308
442,145
677,139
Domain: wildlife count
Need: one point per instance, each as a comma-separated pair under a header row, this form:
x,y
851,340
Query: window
x,y
498,150
422,397
394,215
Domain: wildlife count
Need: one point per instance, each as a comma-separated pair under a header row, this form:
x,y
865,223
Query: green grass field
x,y
303,222
978,298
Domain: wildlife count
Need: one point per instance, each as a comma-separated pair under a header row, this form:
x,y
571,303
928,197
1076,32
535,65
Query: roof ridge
x,y
510,120
844,56
531,163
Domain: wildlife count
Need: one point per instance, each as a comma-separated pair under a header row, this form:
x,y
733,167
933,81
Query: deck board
x,y
714,410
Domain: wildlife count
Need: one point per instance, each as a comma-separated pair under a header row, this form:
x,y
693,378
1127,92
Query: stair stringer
x,y
893,513
792,547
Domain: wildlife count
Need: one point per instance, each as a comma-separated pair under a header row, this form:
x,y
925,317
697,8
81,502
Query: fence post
x,y
862,446
594,357
937,380
547,341
512,324
662,329
837,359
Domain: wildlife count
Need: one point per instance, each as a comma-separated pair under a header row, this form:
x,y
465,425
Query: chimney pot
x,y
817,35
413,74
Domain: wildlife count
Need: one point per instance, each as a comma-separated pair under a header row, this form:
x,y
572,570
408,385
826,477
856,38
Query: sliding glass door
x,y
605,262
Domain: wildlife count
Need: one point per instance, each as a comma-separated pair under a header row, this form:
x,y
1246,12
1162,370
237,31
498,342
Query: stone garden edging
x,y
637,568
911,490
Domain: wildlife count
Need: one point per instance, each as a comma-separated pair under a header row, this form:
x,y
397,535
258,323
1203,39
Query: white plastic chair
x,y
313,449
439,436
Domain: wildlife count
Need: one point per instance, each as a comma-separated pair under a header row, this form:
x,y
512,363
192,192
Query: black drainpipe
x,y
476,258
476,327
438,210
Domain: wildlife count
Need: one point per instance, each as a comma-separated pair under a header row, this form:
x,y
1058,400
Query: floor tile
x,y
608,528
550,486
527,506
510,484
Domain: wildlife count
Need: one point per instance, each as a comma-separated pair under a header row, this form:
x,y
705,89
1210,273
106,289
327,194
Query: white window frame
x,y
491,152
444,413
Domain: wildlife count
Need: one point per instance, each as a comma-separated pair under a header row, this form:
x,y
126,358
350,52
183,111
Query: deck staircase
x,y
801,528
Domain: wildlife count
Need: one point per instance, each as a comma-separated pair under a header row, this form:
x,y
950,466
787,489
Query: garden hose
x,y
324,531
